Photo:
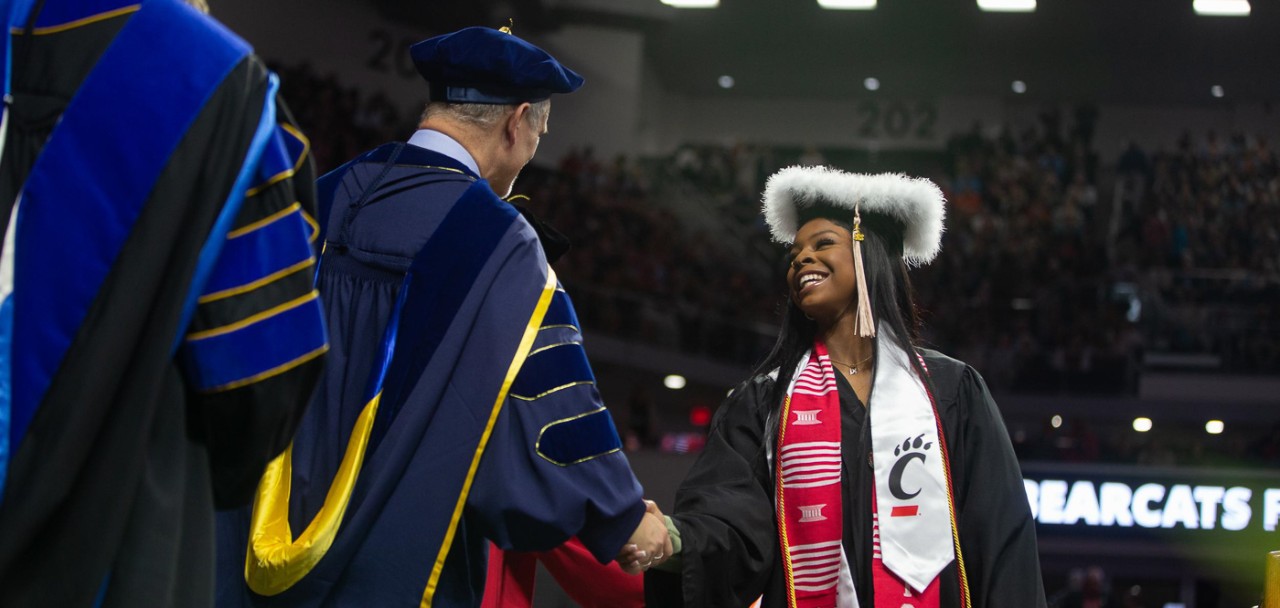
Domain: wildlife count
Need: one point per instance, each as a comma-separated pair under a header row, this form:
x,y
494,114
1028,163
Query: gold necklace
x,y
853,369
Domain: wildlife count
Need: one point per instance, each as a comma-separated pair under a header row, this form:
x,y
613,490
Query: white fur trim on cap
x,y
916,202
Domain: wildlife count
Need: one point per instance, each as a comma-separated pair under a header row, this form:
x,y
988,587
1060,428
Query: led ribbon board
x,y
1119,501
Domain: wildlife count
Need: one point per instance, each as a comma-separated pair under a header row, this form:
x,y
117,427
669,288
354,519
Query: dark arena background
x,y
1111,263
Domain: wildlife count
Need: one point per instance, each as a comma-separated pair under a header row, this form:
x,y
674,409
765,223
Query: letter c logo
x,y
895,476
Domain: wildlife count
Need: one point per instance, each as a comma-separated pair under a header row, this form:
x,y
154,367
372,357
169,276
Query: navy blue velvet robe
x,y
441,304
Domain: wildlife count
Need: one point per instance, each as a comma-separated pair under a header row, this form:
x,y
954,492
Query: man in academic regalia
x,y
159,332
457,405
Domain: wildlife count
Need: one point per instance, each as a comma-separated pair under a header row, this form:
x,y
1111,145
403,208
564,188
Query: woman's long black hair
x,y
892,302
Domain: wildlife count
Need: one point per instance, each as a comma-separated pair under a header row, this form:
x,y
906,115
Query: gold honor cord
x,y
275,560
522,353
951,505
782,509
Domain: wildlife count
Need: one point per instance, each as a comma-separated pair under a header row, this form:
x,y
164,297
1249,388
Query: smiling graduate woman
x,y
854,468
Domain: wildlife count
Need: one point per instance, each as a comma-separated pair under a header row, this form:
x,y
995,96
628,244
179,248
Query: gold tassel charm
x,y
506,29
866,326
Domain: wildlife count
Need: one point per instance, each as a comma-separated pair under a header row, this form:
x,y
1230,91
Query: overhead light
x,y
1142,424
1008,6
674,382
725,82
872,84
1019,87
1056,421
1221,8
1214,427
1216,91
692,3
848,5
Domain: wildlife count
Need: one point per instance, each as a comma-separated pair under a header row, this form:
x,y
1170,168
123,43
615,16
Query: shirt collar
x,y
436,141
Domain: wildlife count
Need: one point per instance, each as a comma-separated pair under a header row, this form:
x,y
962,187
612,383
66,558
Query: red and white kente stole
x,y
809,499
913,519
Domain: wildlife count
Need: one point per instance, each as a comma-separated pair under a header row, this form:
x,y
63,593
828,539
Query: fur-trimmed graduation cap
x,y
916,203
488,66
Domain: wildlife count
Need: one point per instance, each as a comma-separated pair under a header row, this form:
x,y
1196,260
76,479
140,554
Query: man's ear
x,y
515,121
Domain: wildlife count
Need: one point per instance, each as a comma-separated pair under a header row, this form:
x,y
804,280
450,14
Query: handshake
x,y
649,545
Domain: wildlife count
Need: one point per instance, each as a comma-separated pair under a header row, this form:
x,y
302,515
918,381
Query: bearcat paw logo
x,y
909,444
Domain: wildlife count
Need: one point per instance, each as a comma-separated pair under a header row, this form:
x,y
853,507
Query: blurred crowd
x,y
1061,270
1077,440
341,121
1023,290
1199,227
635,273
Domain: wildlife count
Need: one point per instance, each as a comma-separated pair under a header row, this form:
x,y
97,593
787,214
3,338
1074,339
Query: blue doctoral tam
x,y
484,65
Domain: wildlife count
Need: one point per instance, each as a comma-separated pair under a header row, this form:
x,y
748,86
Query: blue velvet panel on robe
x,y
69,232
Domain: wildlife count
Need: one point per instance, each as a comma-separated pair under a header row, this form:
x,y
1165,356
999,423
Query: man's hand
x,y
649,545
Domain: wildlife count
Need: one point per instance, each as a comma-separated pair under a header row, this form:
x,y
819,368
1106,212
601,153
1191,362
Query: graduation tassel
x,y
866,326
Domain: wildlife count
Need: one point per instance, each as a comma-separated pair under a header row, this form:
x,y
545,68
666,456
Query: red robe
x,y
590,583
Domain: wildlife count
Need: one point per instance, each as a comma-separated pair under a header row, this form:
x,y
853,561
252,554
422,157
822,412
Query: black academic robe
x,y
724,509
110,495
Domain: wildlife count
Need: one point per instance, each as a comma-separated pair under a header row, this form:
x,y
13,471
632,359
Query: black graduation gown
x,y
724,509
112,493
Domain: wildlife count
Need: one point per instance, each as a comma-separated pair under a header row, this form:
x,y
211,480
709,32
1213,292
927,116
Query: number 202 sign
x,y
896,120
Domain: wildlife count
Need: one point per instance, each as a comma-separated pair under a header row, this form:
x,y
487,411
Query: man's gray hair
x,y
484,115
